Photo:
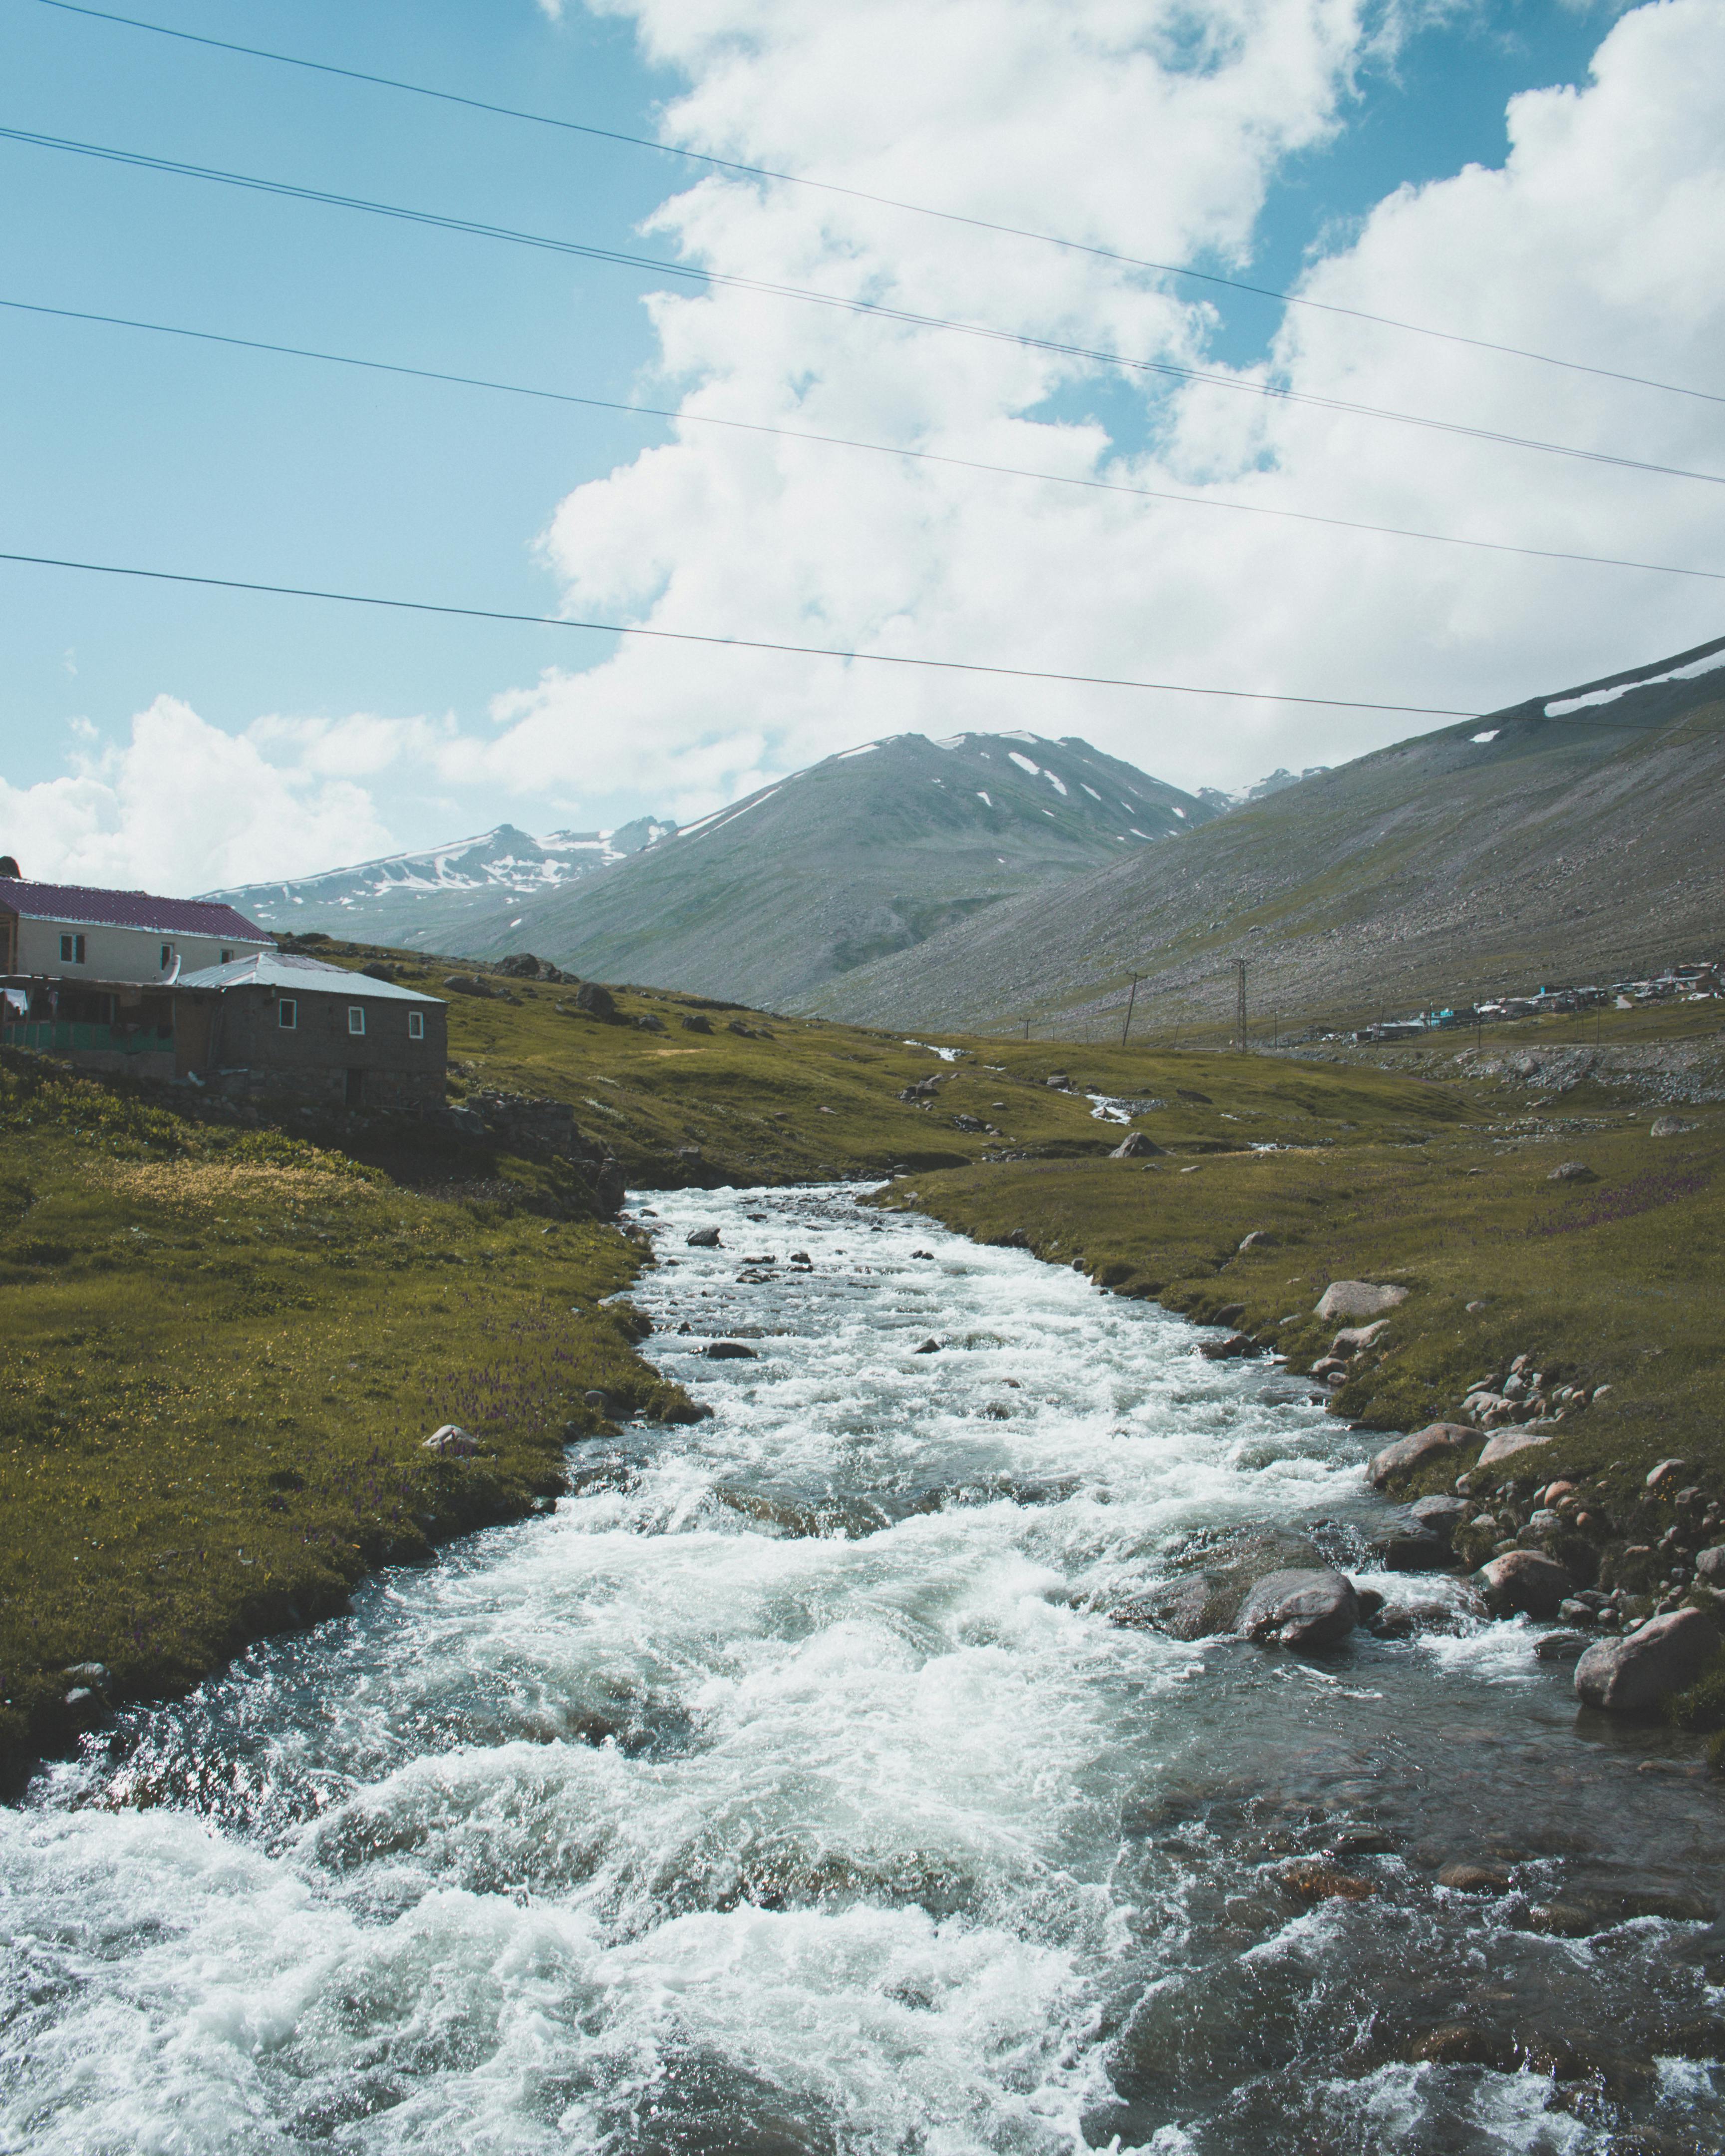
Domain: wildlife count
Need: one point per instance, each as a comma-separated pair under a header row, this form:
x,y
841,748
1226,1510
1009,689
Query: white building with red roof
x,y
72,934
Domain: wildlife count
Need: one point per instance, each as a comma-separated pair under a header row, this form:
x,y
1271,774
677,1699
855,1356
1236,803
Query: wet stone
x,y
1474,1879
1304,1610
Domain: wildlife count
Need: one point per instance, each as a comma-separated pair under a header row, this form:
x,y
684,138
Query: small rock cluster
x,y
1524,1395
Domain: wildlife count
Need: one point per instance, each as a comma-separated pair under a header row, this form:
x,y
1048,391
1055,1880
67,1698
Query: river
x,y
787,1791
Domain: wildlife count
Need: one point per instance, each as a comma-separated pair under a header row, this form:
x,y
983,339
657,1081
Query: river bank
x,y
224,1351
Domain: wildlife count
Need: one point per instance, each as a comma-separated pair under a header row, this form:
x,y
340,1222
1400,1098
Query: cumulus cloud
x,y
181,806
1146,127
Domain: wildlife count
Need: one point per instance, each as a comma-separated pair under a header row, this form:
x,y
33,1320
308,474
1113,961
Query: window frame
x,y
357,1021
415,1025
72,949
287,1014
168,957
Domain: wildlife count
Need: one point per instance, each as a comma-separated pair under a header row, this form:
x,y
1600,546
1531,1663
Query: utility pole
x,y
1130,1001
1241,1009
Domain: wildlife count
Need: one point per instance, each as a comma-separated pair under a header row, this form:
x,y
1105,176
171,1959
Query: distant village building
x,y
189,990
300,1026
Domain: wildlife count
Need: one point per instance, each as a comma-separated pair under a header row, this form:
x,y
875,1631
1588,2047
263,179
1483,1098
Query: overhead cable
x,y
735,643
875,309
885,201
844,442
821,651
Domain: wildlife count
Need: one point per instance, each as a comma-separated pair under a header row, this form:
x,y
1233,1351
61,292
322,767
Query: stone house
x,y
302,1028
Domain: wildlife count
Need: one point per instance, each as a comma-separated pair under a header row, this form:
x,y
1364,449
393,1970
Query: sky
x,y
1549,178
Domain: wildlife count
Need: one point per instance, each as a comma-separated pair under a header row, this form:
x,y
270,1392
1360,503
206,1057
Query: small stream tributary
x,y
788,1791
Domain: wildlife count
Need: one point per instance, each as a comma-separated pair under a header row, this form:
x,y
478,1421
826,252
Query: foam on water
x,y
789,1791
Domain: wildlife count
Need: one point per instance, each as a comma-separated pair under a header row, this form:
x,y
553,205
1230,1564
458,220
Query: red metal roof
x,y
127,909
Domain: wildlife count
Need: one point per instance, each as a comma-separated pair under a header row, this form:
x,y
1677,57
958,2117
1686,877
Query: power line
x,y
882,201
877,310
841,441
799,651
736,643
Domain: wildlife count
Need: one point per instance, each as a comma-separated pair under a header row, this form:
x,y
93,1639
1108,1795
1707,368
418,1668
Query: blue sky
x,y
123,447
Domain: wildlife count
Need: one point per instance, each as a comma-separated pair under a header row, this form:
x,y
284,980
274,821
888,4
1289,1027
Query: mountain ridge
x,y
1518,846
869,851
437,888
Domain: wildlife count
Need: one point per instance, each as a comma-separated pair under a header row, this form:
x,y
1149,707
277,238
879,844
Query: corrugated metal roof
x,y
91,908
300,976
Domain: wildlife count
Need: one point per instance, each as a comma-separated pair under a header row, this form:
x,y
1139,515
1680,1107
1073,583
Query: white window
x,y
287,1014
415,1025
71,950
355,1018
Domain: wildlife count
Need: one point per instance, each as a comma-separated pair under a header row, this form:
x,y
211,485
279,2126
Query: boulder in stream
x,y
1301,1609
703,1238
1523,1581
1629,1675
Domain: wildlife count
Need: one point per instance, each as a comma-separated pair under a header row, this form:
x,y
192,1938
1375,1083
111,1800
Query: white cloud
x,y
1139,126
182,806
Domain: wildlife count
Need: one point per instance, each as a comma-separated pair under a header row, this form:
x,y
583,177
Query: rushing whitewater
x,y
789,1790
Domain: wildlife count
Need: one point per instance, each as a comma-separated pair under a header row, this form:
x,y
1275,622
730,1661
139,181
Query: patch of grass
x,y
221,1357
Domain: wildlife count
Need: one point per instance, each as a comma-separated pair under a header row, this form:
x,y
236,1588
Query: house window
x,y
226,957
71,950
168,956
415,1025
287,1014
355,1018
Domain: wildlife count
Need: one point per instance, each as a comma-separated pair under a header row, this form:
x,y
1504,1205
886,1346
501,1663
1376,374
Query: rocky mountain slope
x,y
427,900
1566,844
865,854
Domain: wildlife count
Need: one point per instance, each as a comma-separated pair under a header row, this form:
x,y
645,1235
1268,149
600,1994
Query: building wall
x,y
119,954
247,1049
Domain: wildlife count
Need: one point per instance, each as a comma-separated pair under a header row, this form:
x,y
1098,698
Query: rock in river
x,y
1301,1609
1628,1675
1523,1581
729,1350
703,1239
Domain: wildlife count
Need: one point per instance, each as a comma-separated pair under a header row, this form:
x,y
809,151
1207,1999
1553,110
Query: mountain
x,y
865,854
1532,846
429,898
1274,783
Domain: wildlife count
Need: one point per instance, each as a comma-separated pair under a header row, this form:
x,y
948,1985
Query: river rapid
x,y
787,1790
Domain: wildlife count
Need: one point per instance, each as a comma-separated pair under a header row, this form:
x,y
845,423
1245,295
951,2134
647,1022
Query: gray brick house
x,y
300,1027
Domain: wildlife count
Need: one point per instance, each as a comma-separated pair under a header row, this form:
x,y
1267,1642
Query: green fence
x,y
63,1039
